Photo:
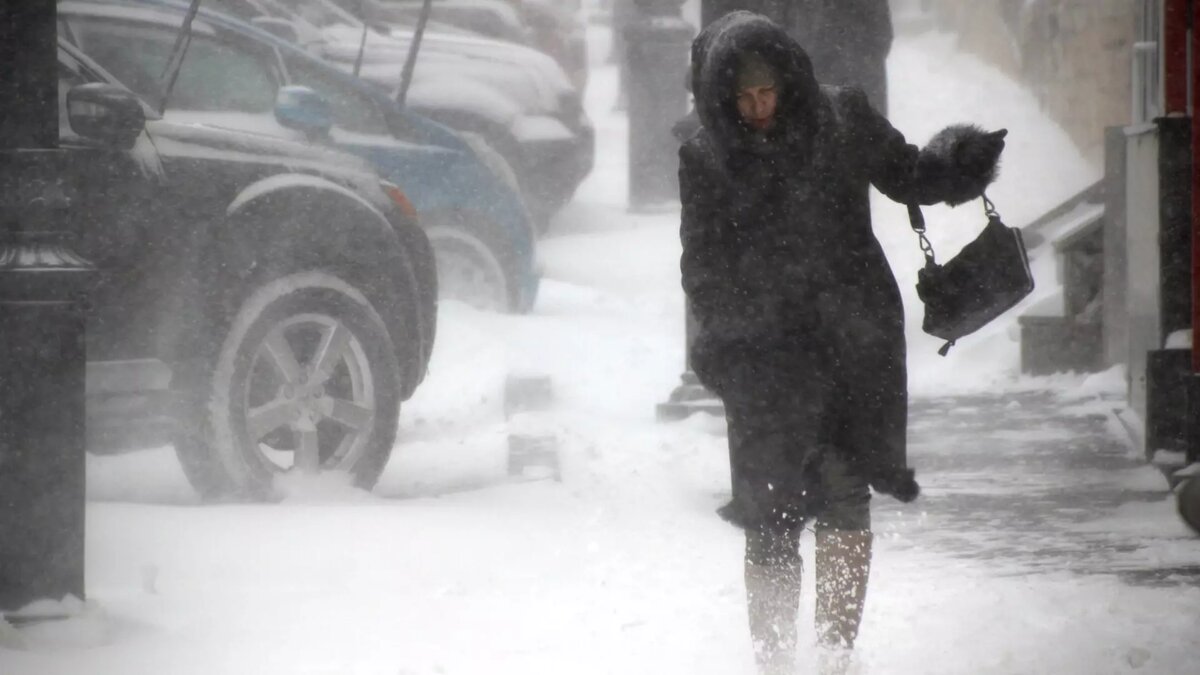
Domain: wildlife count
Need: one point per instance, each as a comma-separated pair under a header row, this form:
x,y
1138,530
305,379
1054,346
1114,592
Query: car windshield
x,y
212,77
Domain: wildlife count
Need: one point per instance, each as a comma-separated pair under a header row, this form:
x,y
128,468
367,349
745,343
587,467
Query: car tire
x,y
470,271
305,379
1187,496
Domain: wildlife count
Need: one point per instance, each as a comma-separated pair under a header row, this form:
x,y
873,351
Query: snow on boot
x,y
772,600
843,563
837,661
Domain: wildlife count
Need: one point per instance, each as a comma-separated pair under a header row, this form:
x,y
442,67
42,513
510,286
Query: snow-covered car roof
x,y
344,32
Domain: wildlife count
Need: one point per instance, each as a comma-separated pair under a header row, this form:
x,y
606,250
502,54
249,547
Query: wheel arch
x,y
516,256
286,220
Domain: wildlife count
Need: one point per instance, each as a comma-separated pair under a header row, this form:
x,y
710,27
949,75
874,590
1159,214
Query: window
x,y
1147,64
214,76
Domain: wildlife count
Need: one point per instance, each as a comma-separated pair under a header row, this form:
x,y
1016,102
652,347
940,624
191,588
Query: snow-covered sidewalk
x,y
1032,549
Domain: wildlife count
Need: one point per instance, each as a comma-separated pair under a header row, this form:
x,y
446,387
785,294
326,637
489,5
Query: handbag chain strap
x,y
917,220
989,209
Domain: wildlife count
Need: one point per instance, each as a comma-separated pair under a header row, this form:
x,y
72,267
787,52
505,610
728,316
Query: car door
x,y
115,204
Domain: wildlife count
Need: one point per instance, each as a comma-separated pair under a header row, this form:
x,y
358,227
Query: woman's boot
x,y
843,563
773,570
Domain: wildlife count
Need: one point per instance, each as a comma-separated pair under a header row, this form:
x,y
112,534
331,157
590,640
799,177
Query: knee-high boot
x,y
772,600
843,564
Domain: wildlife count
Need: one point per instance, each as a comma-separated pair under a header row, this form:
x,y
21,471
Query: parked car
x,y
558,28
552,27
263,304
490,18
515,97
463,191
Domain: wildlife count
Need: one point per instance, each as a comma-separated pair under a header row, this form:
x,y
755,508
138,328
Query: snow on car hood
x,y
522,79
495,50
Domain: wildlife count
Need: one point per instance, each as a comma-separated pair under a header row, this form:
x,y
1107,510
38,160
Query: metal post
x,y
657,43
690,396
42,356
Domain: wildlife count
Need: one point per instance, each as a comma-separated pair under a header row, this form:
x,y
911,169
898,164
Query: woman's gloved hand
x,y
978,154
900,483
958,164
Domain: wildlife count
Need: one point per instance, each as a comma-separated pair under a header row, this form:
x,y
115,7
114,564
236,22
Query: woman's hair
x,y
754,71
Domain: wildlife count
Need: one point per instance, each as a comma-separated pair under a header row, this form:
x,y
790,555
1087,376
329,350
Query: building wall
x,y
1075,55
1142,258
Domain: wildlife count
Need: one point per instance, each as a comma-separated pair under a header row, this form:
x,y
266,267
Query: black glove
x,y
958,164
977,155
901,484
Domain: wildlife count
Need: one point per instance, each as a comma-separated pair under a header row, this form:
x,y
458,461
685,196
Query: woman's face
x,y
756,104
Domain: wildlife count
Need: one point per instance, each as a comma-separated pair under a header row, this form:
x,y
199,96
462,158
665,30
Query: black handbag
x,y
986,278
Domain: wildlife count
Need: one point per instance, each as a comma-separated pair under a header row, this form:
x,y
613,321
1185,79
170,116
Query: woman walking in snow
x,y
801,327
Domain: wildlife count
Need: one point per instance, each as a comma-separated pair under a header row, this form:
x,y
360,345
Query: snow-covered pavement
x,y
1041,544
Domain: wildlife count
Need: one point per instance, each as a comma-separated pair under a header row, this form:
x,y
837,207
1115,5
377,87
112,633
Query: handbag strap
x,y
917,220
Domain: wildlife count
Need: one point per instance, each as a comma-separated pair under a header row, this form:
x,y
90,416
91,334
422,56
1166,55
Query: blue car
x,y
240,77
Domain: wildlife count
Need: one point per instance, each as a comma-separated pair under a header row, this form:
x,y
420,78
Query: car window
x,y
352,110
214,76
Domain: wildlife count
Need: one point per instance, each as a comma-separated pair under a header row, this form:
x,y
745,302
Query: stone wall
x,y
1075,55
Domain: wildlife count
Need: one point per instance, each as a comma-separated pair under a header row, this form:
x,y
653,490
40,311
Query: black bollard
x,y
657,41
42,356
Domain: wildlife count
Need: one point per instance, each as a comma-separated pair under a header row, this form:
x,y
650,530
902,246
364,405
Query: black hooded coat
x,y
847,40
798,311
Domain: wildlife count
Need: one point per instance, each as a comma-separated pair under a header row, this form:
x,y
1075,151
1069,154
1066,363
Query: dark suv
x,y
263,304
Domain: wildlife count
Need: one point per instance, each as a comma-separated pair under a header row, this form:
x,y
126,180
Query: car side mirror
x,y
304,110
281,28
107,113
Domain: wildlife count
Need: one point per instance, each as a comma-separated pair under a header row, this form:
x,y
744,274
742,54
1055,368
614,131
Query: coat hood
x,y
716,53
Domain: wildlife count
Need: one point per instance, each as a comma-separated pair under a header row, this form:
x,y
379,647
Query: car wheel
x,y
469,271
305,380
1187,495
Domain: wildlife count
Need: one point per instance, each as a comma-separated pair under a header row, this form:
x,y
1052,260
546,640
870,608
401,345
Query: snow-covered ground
x,y
453,567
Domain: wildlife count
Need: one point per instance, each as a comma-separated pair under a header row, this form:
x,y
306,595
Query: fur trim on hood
x,y
715,57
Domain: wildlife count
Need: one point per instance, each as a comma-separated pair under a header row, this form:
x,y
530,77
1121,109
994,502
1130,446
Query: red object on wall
x,y
1175,55
1194,6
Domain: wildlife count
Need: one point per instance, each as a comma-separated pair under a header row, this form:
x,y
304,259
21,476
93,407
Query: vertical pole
x,y
42,358
657,46
28,78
